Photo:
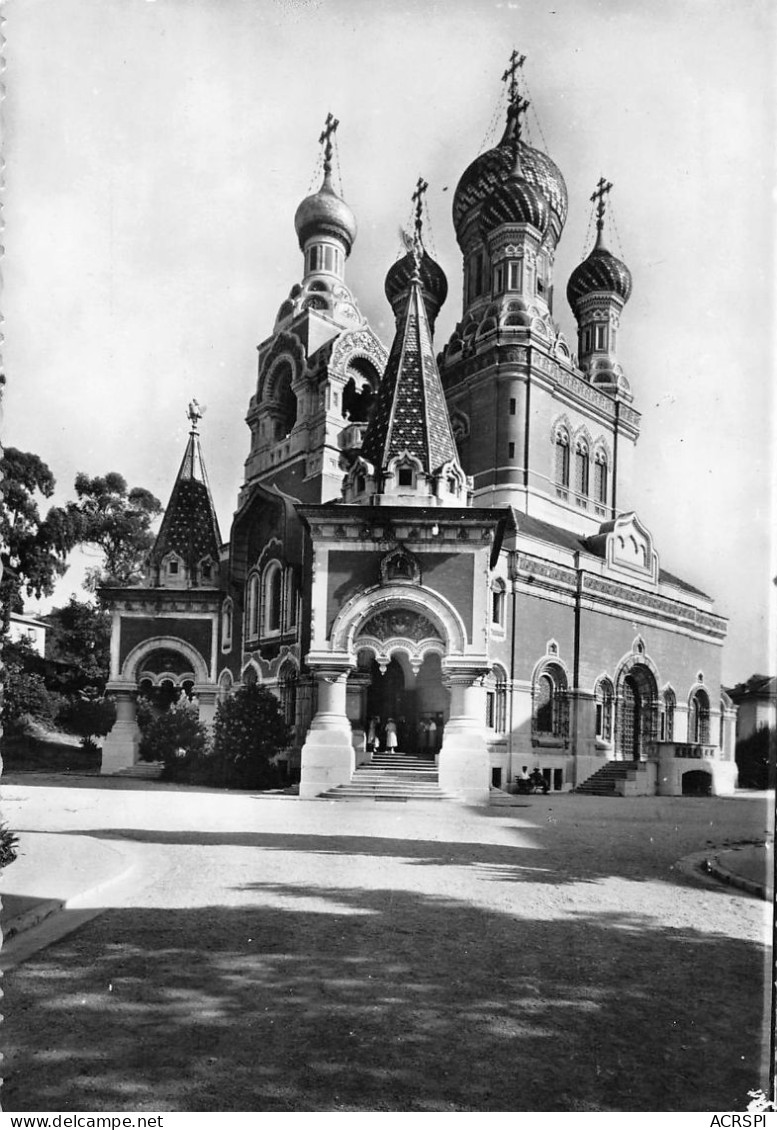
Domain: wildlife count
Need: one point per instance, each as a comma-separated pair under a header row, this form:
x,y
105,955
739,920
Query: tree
x,y
34,549
88,715
26,698
175,736
117,521
79,639
248,732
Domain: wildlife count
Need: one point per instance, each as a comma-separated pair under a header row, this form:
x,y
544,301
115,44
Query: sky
x,y
156,151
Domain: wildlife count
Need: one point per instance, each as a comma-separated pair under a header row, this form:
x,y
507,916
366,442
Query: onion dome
x,y
434,284
490,170
325,213
600,272
515,202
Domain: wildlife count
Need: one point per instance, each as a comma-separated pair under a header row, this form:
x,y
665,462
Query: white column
x,y
328,755
120,748
464,761
207,703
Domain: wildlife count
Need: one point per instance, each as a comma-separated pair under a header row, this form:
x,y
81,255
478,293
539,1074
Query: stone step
x,y
144,770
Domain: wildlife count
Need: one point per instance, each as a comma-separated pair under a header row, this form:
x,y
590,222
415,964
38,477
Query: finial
x,y
600,192
516,62
194,414
418,200
330,127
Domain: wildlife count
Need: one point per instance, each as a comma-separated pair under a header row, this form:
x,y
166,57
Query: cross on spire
x,y
516,111
330,128
418,200
600,192
516,62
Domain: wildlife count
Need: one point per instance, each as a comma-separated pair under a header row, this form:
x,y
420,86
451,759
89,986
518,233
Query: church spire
x,y
325,225
409,455
186,550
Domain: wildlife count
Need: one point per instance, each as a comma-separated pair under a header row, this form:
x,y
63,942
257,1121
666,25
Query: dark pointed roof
x,y
190,527
411,414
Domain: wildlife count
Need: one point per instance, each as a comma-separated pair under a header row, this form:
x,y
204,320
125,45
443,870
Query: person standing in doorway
x,y
391,735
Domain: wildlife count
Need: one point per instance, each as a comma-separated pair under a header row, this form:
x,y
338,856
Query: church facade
x,y
434,552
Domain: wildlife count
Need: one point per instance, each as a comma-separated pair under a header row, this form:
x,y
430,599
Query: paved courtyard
x,y
271,954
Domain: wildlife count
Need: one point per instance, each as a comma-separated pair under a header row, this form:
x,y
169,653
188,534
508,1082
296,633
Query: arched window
x,y
581,468
291,598
287,692
284,409
273,585
699,718
666,727
604,695
226,625
498,602
549,707
252,607
496,701
600,478
562,459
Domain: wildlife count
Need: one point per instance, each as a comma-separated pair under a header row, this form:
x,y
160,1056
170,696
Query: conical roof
x,y
411,415
190,528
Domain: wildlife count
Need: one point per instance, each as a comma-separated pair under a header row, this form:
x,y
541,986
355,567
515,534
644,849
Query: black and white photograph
x,y
389,684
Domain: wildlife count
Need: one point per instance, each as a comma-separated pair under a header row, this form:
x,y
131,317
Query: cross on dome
x,y
516,62
330,128
600,192
418,200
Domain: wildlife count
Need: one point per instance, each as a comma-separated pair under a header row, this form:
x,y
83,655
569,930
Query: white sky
x,y
156,151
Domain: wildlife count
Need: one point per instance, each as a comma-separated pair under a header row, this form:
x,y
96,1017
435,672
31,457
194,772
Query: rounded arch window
x,y
562,457
604,697
283,398
358,403
252,607
273,590
699,718
549,707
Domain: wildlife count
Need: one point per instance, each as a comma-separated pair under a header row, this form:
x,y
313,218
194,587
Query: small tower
x,y
597,291
186,551
409,455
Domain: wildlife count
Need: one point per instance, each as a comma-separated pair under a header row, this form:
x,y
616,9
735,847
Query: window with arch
x,y
291,598
498,603
405,475
496,701
226,625
549,703
252,607
666,721
287,692
284,408
600,478
562,458
699,718
581,468
604,697
273,592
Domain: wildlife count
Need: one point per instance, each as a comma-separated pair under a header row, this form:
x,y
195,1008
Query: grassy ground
x,y
54,753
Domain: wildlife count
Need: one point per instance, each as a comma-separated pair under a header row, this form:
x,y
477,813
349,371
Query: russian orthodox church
x,y
435,553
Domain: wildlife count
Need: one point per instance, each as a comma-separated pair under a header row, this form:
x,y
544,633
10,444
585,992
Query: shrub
x,y
755,758
9,844
248,732
89,715
26,700
176,737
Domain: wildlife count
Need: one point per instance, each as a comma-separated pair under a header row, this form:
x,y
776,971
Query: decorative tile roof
x,y
190,527
411,414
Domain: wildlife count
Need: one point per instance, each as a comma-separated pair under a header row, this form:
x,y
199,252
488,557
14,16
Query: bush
x,y
176,737
755,757
9,844
249,731
89,715
26,700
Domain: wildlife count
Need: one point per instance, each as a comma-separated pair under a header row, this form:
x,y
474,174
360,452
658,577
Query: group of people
x,y
529,782
398,734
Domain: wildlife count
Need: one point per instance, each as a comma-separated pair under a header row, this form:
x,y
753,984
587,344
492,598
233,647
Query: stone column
x,y
120,748
464,762
356,709
328,756
207,699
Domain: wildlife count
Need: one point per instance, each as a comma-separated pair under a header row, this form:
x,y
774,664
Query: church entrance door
x,y
390,698
637,715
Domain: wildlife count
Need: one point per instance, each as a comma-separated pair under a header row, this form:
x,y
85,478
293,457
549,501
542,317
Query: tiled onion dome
x,y
325,213
434,285
491,169
516,201
600,272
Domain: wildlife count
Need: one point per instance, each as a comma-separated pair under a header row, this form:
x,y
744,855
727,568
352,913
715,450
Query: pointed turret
x,y
409,455
186,551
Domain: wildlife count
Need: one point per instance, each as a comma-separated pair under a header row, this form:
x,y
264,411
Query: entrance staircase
x,y
605,781
397,776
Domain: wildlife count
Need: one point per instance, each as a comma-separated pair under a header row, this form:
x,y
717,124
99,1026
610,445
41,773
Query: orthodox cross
x,y
330,127
194,413
515,112
516,62
418,200
602,189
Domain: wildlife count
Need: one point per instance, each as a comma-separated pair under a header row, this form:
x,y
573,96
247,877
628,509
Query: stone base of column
x,y
328,759
464,766
120,748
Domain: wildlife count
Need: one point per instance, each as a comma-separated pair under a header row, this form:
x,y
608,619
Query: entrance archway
x,y
637,713
416,701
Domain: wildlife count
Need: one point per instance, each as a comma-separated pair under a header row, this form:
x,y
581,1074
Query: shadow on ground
x,y
364,1000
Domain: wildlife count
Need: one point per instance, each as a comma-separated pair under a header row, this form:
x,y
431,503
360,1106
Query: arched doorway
x,y
637,714
415,700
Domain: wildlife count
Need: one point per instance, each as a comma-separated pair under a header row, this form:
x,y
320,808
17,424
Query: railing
x,y
687,751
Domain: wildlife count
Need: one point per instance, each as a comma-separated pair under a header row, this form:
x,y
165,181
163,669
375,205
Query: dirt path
x,y
299,956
